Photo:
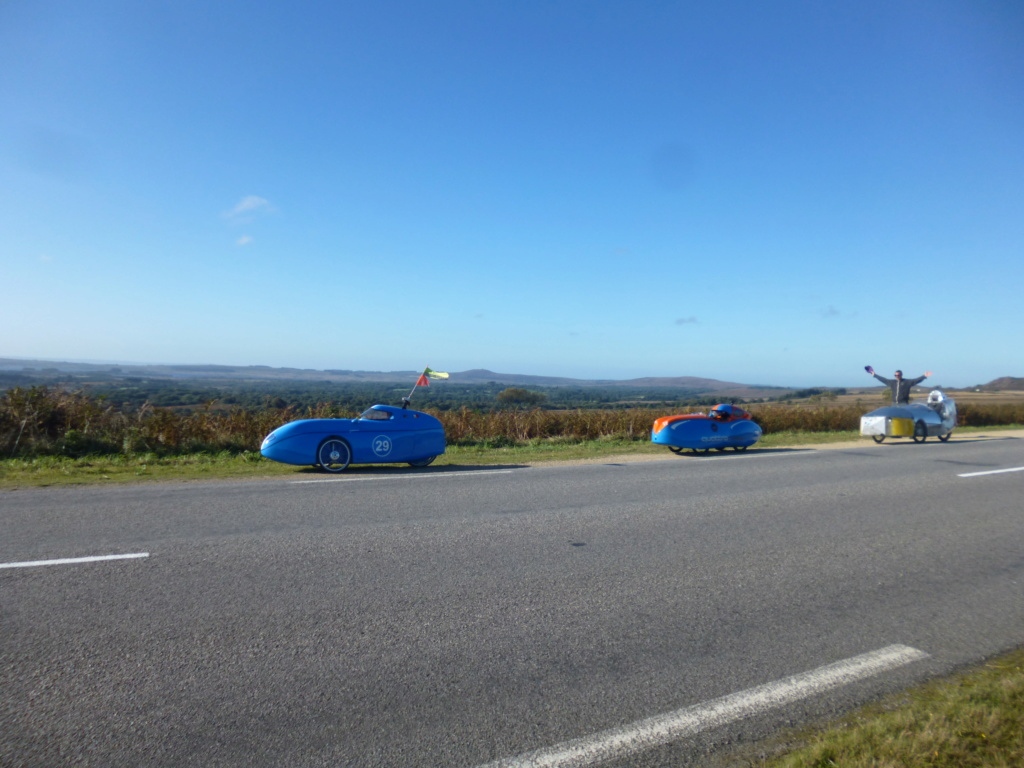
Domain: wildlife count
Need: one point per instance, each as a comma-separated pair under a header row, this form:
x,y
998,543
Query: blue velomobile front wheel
x,y
333,455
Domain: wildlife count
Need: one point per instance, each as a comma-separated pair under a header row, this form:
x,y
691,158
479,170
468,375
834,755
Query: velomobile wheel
x,y
945,437
920,432
675,449
422,462
333,455
740,447
878,438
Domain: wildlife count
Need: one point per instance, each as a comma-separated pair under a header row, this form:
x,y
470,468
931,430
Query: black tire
x,y
878,438
945,437
740,447
675,449
920,432
333,455
422,462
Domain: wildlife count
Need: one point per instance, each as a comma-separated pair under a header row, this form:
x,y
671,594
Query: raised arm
x,y
882,379
919,379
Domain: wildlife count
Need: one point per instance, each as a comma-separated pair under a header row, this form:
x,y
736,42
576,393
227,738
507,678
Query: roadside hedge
x,y
40,420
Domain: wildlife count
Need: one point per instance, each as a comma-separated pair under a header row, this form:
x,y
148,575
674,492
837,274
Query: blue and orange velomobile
x,y
726,426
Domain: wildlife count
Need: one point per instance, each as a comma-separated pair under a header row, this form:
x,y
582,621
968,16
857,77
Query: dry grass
x,y
49,422
972,720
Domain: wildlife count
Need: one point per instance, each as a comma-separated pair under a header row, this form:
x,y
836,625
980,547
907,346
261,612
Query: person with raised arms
x,y
900,387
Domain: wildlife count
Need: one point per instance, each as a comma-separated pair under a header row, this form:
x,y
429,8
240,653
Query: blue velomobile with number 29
x,y
382,434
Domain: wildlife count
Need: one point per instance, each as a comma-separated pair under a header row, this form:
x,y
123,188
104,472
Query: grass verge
x,y
100,470
971,720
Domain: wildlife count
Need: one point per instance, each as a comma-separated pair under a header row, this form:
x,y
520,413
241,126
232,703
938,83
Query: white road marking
x,y
618,743
992,472
70,560
404,477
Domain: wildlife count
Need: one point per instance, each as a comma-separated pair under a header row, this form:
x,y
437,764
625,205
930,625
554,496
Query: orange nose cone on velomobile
x,y
664,421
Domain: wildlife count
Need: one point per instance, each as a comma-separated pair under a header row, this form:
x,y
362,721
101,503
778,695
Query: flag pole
x,y
408,399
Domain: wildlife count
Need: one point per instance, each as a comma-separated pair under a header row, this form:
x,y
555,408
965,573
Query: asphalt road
x,y
447,617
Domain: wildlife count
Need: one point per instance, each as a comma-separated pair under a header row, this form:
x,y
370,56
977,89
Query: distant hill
x,y
1002,384
520,379
204,372
48,369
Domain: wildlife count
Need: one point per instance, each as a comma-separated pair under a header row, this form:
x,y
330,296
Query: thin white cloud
x,y
249,206
243,240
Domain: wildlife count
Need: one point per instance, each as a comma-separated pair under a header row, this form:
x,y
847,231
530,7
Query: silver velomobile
x,y
919,421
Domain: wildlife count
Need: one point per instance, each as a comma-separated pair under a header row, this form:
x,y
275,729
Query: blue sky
x,y
765,192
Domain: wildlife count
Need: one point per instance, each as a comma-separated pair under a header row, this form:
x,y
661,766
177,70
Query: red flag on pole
x,y
423,381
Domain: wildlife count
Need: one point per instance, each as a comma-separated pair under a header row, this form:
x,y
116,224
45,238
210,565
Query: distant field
x,y
867,395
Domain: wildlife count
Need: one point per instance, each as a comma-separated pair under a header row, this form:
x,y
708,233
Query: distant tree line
x,y
193,394
813,393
